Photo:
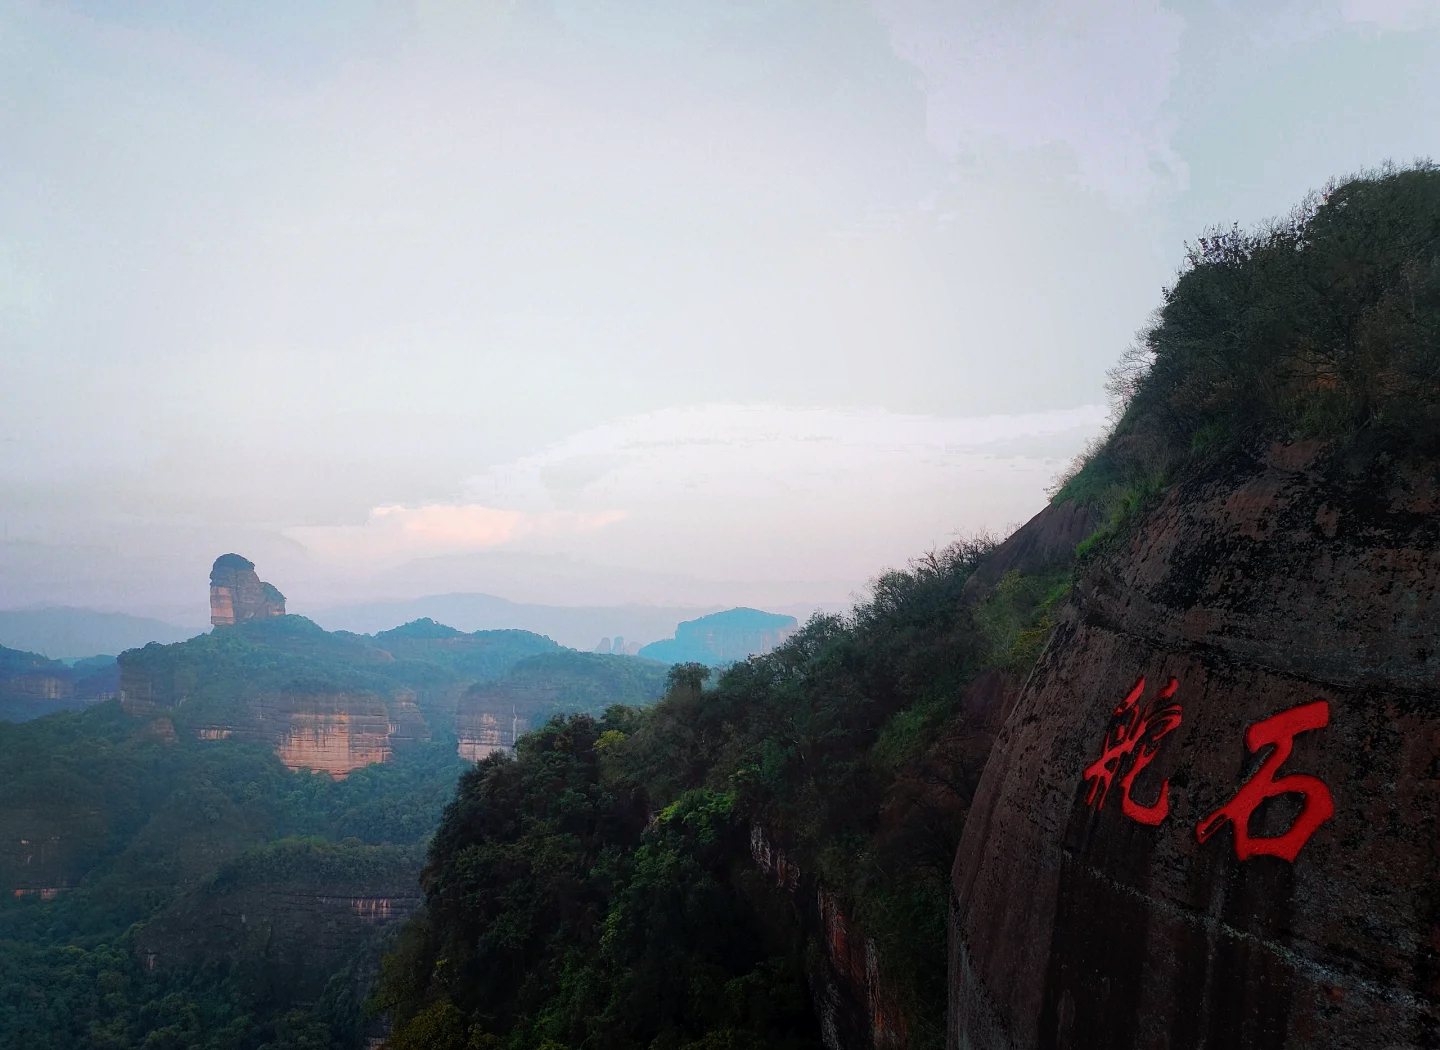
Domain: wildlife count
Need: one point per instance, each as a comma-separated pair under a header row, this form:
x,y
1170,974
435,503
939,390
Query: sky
x,y
595,301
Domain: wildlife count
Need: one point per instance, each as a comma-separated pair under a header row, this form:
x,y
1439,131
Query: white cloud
x,y
739,492
1094,77
1391,14
396,534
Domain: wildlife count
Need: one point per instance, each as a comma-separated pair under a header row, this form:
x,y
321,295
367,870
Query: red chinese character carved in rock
x,y
1278,731
1134,734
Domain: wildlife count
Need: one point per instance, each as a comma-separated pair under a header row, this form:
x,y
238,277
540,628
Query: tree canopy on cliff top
x,y
1323,324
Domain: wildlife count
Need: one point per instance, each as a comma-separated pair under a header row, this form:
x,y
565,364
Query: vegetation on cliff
x,y
599,890
1325,324
854,748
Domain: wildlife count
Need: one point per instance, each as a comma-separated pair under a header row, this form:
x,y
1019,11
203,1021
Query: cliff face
x,y
32,685
1209,820
333,733
854,1002
287,916
237,594
490,716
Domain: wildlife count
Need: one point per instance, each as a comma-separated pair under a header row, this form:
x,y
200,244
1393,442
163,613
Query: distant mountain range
x,y
68,633
579,627
723,638
63,632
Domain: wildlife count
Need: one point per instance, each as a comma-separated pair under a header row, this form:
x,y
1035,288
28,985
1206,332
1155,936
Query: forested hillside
x,y
169,882
679,877
608,867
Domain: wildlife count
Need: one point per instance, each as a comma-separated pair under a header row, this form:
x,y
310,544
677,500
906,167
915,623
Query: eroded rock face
x,y
855,1002
1043,544
1295,606
330,732
237,594
488,720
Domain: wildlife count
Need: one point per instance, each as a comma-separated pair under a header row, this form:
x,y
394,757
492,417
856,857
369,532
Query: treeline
x,y
598,889
1324,324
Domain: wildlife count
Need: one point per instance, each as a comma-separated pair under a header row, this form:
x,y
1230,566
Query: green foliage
x,y
559,913
143,837
598,890
1323,325
209,677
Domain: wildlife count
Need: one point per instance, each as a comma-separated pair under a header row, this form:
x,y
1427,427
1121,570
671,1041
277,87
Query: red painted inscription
x,y
1135,736
1279,732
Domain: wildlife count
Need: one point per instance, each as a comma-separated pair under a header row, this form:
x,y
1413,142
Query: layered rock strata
x,y
237,594
1210,818
327,732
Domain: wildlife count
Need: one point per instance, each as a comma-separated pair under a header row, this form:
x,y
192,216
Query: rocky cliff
x,y
237,594
287,916
1209,820
491,716
32,685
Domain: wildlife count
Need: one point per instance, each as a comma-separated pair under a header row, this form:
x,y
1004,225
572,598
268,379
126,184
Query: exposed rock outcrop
x,y
491,716
32,685
237,594
1210,819
285,917
854,1002
1045,543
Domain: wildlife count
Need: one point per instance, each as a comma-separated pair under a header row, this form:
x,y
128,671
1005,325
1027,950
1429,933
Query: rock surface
x,y
286,917
237,594
1091,918
490,716
1045,543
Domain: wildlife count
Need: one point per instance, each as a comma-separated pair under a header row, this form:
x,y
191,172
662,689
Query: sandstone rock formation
x,y
1043,544
1210,818
491,716
854,1001
237,594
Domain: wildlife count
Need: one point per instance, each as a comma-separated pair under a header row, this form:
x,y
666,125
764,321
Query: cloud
x,y
736,492
1094,77
1391,14
749,492
396,534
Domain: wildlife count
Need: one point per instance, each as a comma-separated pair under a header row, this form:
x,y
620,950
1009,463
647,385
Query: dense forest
x,y
614,883
606,868
169,882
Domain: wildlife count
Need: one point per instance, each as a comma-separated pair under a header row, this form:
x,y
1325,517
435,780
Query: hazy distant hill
x,y
32,685
62,632
723,637
579,627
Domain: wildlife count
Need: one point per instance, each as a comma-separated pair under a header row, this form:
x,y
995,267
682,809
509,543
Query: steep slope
x,y
1209,820
1286,603
804,816
32,686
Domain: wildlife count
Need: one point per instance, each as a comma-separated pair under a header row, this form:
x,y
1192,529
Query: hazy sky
x,y
672,298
